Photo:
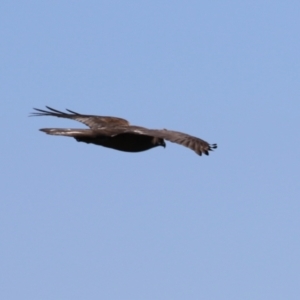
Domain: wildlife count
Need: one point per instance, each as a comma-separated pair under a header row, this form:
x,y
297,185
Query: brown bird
x,y
117,133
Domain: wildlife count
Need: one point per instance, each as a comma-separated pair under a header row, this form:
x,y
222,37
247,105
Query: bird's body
x,y
109,138
118,134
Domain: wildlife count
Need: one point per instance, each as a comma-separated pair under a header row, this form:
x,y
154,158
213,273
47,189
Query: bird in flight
x,y
118,134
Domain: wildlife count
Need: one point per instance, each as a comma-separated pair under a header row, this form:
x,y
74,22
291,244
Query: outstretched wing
x,y
91,121
192,142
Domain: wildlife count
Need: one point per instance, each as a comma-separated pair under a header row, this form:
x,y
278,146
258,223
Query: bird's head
x,y
161,142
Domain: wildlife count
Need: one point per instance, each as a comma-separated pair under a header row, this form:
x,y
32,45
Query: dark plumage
x,y
117,133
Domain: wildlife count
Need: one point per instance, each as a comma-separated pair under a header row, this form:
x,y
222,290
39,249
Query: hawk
x,y
118,134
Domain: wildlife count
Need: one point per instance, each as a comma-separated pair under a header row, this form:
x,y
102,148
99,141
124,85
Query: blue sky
x,y
85,222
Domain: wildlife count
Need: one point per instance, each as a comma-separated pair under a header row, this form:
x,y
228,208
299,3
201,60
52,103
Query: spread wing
x,y
91,121
192,142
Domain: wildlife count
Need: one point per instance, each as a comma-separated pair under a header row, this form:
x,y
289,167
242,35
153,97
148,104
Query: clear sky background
x,y
85,222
